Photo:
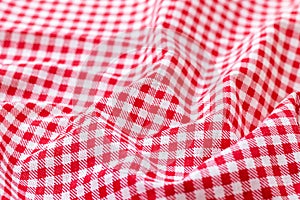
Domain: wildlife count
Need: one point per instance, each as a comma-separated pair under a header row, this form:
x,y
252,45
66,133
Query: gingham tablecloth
x,y
149,99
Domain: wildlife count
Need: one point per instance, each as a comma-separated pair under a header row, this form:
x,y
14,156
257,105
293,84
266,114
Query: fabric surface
x,y
150,99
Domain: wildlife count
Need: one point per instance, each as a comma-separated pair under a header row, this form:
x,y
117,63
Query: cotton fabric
x,y
149,99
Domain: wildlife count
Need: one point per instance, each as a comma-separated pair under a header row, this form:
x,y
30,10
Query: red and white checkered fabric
x,y
150,99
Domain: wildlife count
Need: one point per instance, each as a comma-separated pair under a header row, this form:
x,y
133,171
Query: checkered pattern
x,y
151,99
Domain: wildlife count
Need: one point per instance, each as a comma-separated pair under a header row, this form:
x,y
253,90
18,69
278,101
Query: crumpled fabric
x,y
151,99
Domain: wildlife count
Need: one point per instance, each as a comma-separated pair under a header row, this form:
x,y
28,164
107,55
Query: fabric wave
x,y
149,100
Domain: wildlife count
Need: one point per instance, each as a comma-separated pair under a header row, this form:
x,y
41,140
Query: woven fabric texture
x,y
149,99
